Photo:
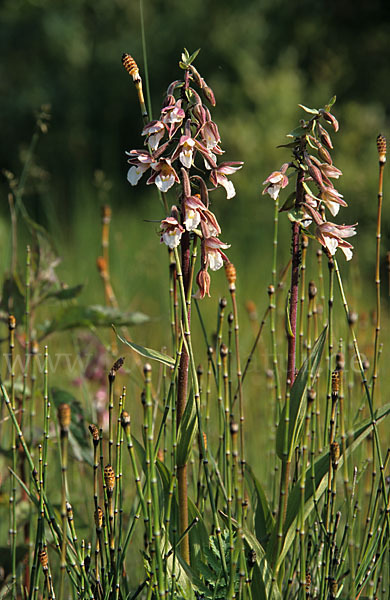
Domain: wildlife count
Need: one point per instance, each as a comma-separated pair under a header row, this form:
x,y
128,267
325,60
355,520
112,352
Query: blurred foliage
x,y
261,59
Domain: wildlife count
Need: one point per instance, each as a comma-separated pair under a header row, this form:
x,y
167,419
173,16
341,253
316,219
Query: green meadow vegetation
x,y
195,283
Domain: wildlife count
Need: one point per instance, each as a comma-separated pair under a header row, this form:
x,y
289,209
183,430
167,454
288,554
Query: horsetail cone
x,y
131,66
334,454
98,518
231,275
109,478
125,419
95,433
335,382
43,559
11,322
381,146
64,414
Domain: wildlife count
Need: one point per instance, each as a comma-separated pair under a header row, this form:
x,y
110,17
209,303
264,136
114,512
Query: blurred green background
x,y
261,59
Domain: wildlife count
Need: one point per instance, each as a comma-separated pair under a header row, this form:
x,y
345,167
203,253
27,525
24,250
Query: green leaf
x,y
321,468
330,103
297,132
64,294
193,56
148,352
71,317
271,589
312,111
298,399
12,298
289,202
186,432
78,435
264,521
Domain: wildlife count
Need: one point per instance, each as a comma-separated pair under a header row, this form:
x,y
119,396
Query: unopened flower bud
x,y
324,154
381,146
325,137
330,119
203,280
209,94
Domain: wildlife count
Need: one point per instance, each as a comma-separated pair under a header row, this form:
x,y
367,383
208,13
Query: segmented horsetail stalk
x,y
381,147
12,495
132,68
64,419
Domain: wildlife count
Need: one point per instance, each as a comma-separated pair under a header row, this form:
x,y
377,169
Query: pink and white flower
x,y
276,181
332,236
210,135
212,248
164,175
173,115
332,199
141,161
218,176
192,212
171,232
154,131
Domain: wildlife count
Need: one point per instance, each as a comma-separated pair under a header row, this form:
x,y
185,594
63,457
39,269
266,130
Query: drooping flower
x,y
192,212
210,135
218,176
276,182
164,175
171,232
203,280
332,236
332,199
212,248
154,132
141,161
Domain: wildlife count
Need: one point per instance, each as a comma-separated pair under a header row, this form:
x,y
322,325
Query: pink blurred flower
x,y
276,182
